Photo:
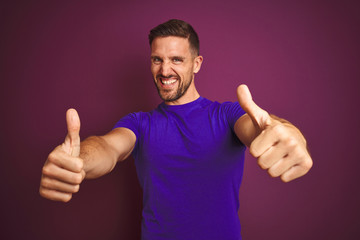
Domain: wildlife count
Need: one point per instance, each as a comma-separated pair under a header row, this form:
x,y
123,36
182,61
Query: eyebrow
x,y
179,57
172,57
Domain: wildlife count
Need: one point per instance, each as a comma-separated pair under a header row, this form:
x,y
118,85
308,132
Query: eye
x,y
178,60
156,60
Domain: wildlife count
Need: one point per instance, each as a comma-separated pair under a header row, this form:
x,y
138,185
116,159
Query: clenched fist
x,y
279,146
63,170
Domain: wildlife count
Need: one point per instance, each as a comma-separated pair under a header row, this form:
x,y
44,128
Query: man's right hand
x,y
63,170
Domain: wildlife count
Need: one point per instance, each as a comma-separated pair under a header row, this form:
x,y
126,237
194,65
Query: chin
x,y
169,98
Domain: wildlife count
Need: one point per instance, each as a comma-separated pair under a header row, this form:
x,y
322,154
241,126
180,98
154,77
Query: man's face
x,y
173,66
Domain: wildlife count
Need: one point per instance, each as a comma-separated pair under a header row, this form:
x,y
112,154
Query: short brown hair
x,y
177,28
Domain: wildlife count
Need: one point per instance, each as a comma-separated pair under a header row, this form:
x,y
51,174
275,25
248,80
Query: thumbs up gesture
x,y
278,145
63,171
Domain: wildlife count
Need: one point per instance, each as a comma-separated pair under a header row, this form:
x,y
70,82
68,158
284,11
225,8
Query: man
x,y
189,151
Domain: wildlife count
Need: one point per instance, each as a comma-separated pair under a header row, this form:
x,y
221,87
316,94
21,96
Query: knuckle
x,y
273,173
262,163
298,151
253,151
45,182
52,156
83,174
301,155
45,193
308,163
291,142
75,188
77,178
285,179
79,165
42,192
46,170
278,129
66,198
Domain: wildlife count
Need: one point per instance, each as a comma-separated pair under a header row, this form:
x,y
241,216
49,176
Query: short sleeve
x,y
130,121
233,112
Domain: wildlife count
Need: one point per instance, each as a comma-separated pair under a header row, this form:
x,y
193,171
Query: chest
x,y
188,141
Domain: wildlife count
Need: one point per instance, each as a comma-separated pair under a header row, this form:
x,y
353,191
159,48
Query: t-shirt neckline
x,y
182,106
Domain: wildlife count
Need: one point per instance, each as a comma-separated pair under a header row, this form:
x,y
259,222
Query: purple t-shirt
x,y
189,164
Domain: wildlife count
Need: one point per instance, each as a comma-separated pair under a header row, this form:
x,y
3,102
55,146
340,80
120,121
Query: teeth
x,y
168,82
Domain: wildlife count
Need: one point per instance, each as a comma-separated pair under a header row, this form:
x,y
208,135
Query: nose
x,y
165,68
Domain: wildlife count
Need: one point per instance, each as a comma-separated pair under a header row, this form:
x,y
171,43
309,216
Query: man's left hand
x,y
278,145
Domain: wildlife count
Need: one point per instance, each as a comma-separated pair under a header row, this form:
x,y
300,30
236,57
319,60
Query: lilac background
x,y
299,58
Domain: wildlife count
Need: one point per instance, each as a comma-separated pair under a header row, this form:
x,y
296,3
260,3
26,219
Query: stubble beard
x,y
180,91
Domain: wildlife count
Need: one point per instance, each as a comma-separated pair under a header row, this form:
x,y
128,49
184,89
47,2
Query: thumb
x,y
72,140
259,116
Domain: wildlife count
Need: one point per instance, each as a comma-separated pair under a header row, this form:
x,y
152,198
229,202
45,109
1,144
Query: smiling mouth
x,y
167,81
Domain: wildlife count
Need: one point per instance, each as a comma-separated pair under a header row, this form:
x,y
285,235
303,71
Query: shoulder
x,y
224,107
139,116
230,111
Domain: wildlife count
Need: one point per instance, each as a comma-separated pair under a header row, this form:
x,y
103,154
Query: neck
x,y
190,96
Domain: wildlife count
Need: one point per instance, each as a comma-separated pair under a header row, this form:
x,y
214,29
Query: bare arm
x,y
100,154
279,146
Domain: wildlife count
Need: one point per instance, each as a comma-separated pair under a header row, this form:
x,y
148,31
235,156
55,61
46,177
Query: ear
x,y
197,63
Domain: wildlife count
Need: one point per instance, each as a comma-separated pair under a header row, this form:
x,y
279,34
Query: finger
x,y
63,160
272,155
83,174
54,184
53,171
293,173
294,159
281,166
55,195
72,140
297,171
266,139
259,116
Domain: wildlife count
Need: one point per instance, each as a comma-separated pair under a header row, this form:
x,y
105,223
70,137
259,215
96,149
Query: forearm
x,y
98,157
100,154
